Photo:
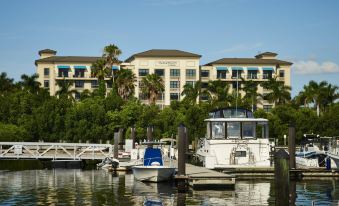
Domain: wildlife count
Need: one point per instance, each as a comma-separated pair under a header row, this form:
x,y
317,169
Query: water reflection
x,y
96,187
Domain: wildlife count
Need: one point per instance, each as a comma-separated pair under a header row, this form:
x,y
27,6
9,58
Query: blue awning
x,y
252,68
221,68
115,67
237,68
267,69
63,67
80,67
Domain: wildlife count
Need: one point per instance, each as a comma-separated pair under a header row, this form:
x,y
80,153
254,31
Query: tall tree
x,y
219,92
279,93
30,83
193,92
6,84
125,83
111,55
152,86
65,90
251,92
99,70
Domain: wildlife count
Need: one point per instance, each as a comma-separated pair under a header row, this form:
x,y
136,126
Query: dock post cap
x,y
282,154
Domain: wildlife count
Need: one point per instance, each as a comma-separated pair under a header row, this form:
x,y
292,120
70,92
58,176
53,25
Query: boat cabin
x,y
237,124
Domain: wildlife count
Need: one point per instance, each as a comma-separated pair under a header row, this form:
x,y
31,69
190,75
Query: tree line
x,y
29,113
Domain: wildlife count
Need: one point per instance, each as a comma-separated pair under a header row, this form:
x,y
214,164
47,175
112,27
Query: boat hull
x,y
153,173
335,158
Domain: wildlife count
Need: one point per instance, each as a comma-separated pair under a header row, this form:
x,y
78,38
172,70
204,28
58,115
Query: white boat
x,y
153,169
333,152
232,140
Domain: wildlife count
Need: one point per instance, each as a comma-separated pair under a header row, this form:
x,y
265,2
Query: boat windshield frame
x,y
218,128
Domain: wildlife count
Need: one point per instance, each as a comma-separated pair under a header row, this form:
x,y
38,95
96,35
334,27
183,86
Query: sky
x,y
305,32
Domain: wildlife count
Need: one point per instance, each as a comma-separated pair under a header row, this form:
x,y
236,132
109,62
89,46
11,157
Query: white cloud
x,y
314,67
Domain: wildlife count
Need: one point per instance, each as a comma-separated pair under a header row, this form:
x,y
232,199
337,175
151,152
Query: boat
x,y
312,151
153,169
108,163
333,151
234,138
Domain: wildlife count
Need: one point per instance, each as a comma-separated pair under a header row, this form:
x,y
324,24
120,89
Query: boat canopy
x,y
152,155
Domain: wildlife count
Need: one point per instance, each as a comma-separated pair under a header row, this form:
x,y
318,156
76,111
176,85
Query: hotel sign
x,y
167,63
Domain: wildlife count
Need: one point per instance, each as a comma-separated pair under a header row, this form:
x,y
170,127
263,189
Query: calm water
x,y
96,187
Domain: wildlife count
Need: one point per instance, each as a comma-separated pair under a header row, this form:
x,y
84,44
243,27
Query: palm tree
x,y
192,92
305,97
111,54
6,84
219,91
99,70
279,92
64,89
125,82
331,94
152,86
30,83
250,88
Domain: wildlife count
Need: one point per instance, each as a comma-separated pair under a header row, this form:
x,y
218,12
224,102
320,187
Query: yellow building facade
x,y
176,67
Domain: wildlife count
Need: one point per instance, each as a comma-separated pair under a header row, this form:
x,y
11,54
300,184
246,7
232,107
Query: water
x,y
97,187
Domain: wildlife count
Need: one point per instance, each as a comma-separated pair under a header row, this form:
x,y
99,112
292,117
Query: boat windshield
x,y
235,130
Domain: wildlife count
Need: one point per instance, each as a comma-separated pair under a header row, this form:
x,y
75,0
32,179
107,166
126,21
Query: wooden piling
x,y
181,175
133,136
116,148
121,139
291,144
282,177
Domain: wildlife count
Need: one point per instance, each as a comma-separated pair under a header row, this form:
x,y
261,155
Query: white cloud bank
x,y
313,67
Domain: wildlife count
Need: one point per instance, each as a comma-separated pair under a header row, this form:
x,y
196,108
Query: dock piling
x,y
182,181
121,144
149,134
282,177
291,144
116,148
133,136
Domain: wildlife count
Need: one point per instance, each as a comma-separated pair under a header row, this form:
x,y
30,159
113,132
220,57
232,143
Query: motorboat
x,y
153,168
108,163
333,152
234,138
312,151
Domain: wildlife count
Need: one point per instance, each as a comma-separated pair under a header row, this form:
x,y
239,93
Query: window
x,y
204,97
281,73
233,129
109,84
94,83
143,96
221,74
46,71
46,83
252,74
190,82
218,130
267,74
204,85
236,85
174,96
267,108
77,96
79,84
205,73
79,73
174,84
63,73
248,129
236,74
161,96
159,72
265,96
141,85
190,72
240,153
143,72
174,72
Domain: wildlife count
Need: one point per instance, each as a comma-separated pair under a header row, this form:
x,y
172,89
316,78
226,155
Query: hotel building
x,y
176,67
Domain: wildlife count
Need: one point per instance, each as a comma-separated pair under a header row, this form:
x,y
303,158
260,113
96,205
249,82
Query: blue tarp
x,y
152,155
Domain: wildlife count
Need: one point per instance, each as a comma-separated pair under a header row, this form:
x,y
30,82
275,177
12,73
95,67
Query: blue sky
x,y
305,32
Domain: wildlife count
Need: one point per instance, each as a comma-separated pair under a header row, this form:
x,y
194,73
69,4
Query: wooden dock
x,y
203,178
